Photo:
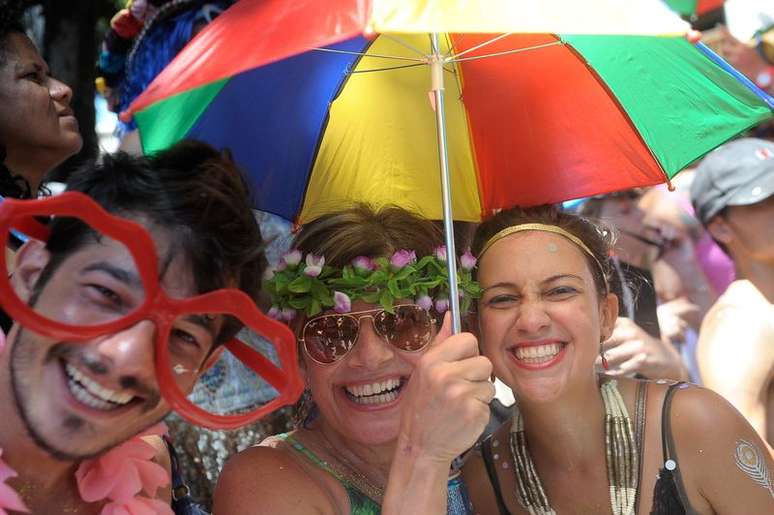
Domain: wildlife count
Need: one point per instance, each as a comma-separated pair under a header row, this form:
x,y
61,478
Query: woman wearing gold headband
x,y
578,442
393,397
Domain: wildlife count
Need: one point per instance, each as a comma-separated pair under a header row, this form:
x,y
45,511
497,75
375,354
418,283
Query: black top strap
x,y
486,454
179,488
668,446
640,407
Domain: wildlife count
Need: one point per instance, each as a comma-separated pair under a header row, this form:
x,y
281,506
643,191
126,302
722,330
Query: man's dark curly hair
x,y
192,191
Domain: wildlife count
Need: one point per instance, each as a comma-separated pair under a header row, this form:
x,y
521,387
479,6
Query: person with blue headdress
x,y
143,38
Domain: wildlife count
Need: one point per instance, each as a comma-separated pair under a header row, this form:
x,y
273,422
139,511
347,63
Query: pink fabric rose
x,y
342,302
441,305
440,253
314,265
292,258
402,258
424,302
364,264
123,472
9,499
467,261
287,314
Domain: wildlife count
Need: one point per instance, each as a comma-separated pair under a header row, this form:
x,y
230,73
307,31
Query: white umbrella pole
x,y
436,69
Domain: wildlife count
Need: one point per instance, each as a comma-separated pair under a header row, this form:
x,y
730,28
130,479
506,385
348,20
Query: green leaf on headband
x,y
301,284
371,297
314,308
386,300
298,303
392,285
378,277
292,289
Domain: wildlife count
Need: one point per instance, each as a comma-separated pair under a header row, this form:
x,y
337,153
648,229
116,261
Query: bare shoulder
x,y
268,479
698,416
741,316
724,456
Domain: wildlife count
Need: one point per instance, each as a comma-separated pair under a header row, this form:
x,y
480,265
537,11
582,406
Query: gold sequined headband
x,y
543,228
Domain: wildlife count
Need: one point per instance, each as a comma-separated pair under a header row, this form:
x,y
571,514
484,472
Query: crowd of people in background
x,y
630,333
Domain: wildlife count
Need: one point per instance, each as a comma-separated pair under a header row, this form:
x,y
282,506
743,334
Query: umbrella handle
x,y
436,70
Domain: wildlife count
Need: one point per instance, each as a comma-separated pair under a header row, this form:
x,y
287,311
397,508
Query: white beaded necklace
x,y
620,454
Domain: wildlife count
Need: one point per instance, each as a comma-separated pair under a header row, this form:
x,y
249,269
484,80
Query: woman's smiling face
x,y
360,396
541,319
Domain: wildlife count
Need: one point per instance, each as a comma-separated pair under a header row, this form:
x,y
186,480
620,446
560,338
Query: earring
x,y
605,364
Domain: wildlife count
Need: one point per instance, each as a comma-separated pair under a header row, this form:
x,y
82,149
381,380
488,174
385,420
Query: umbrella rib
x,y
405,44
506,52
448,70
454,57
388,68
362,54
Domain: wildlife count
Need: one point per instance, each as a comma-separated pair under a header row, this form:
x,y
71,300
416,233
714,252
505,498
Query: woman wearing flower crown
x,y
391,398
578,442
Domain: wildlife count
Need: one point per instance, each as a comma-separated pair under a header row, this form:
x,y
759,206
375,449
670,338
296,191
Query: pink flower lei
x,y
118,476
307,285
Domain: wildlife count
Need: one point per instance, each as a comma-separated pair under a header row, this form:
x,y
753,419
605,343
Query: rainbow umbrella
x,y
531,112
694,7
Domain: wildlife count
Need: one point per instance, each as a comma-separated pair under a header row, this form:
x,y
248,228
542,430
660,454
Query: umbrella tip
x,y
369,33
693,36
125,116
670,186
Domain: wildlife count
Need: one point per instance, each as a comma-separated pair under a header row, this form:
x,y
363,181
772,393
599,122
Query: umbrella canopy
x,y
530,118
694,7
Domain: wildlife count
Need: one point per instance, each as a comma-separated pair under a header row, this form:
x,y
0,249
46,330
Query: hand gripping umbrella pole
x,y
436,72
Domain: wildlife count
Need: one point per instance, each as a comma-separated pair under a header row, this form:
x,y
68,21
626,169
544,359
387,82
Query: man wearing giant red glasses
x,y
114,320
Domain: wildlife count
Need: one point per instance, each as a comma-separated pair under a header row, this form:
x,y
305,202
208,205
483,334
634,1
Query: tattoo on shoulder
x,y
750,460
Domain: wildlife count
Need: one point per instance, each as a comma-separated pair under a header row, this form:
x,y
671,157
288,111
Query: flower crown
x,y
308,285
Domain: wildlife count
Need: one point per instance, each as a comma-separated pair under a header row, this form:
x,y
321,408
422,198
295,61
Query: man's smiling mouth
x,y
91,394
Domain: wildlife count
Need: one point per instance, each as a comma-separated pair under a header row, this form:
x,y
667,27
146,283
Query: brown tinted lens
x,y
408,329
328,338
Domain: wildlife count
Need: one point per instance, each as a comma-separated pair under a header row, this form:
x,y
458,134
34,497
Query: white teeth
x,y
92,394
376,399
538,352
374,393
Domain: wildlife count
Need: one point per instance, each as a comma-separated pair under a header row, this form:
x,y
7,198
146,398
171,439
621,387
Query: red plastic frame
x,y
158,307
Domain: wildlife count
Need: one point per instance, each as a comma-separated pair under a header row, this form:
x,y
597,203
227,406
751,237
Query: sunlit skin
x,y
96,283
538,288
37,125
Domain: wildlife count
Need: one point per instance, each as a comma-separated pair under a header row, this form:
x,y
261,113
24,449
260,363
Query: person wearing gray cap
x,y
733,196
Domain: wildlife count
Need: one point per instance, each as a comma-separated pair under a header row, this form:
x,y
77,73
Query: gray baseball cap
x,y
739,173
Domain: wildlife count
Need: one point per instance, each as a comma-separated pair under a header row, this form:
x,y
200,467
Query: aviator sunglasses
x,y
328,338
